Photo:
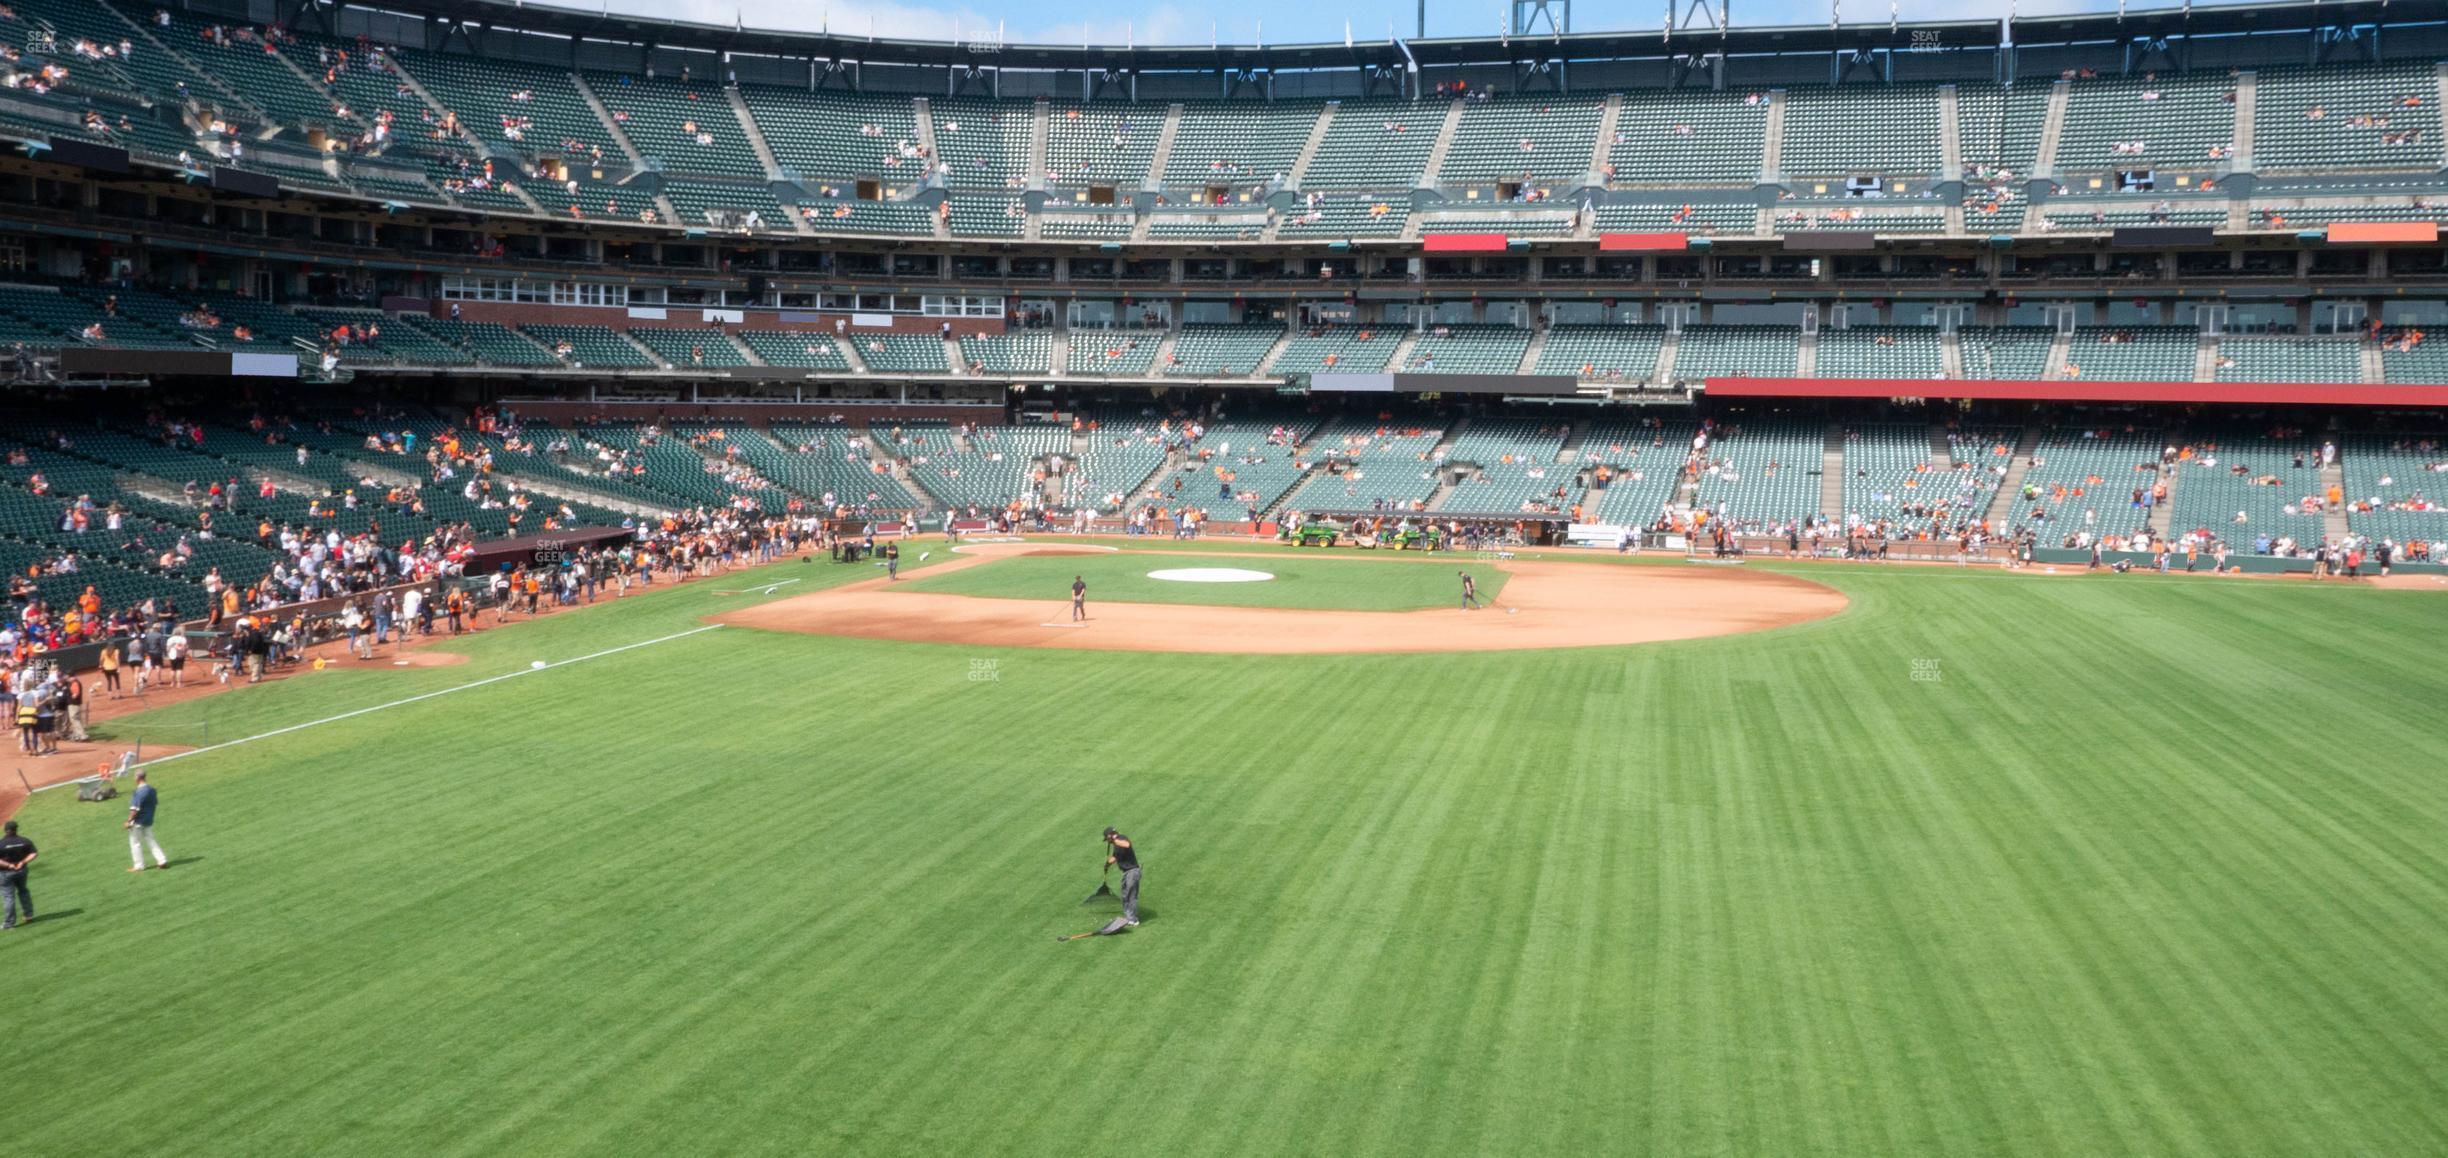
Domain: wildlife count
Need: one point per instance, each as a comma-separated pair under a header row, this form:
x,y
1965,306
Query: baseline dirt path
x,y
1543,605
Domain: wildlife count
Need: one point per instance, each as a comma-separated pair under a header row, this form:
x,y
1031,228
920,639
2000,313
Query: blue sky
x,y
1280,21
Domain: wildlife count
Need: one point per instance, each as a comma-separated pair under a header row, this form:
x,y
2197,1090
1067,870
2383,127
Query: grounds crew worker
x,y
1127,858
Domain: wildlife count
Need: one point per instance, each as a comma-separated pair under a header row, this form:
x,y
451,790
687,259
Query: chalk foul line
x,y
353,714
760,588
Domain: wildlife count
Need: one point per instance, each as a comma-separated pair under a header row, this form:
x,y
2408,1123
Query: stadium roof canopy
x,y
2199,20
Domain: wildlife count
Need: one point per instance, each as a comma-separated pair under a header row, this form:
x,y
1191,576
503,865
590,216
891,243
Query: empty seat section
x,y
1626,353
487,342
1877,130
903,353
1376,145
2394,487
1881,352
1218,351
1680,217
1509,224
1106,226
1339,349
2132,353
1365,465
1020,352
982,144
1101,144
2411,354
722,206
838,137
685,348
1515,468
1221,141
1736,351
2239,485
1469,349
1890,482
516,107
1530,138
799,349
2012,352
1635,468
830,460
2145,120
2082,482
985,215
1114,353
1208,226
597,346
2363,117
1345,215
2337,359
1763,472
1688,135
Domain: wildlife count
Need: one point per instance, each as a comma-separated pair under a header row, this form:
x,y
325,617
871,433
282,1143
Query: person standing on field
x,y
1126,858
16,853
1470,591
141,807
1079,599
72,715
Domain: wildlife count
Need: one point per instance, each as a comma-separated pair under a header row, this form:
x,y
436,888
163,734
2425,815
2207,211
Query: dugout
x,y
547,550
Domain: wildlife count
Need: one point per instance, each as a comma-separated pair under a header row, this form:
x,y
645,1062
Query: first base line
x,y
765,589
353,714
1062,625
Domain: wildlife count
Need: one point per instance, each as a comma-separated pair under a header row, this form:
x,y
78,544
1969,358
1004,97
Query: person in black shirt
x,y
1470,591
16,852
1079,603
1126,858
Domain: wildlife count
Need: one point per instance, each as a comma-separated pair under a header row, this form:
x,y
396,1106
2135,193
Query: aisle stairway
x,y
1832,473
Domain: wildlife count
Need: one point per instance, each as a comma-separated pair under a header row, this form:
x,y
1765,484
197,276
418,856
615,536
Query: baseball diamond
x,y
588,582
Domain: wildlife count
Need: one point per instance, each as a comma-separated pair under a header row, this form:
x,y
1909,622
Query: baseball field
x,y
1958,862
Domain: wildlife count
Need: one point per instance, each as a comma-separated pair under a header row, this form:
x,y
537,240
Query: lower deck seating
x,y
1514,468
821,461
1763,472
1634,469
2084,485
1367,465
2237,488
2397,486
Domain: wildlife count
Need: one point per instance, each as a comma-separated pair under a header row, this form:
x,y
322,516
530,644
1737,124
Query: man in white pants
x,y
140,826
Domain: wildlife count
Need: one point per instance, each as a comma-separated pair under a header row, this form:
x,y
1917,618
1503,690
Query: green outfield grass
x,y
1985,865
1346,582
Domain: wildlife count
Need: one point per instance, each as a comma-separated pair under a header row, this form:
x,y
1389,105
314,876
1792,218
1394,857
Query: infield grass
x,y
1985,865
1313,580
